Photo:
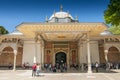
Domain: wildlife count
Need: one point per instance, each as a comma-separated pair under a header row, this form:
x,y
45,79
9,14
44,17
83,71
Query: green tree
x,y
115,29
112,13
112,16
3,30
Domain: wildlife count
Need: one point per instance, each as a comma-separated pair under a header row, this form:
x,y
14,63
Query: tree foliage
x,y
3,30
112,16
112,13
115,29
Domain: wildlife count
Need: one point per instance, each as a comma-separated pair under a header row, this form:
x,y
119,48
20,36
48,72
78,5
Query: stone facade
x,y
64,41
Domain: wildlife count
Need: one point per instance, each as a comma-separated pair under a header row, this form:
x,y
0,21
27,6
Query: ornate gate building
x,y
59,38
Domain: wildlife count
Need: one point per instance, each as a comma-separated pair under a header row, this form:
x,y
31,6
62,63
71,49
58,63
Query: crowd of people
x,y
62,67
96,66
56,68
111,65
36,68
26,65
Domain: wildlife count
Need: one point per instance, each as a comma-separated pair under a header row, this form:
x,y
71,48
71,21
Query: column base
x,y
89,71
14,69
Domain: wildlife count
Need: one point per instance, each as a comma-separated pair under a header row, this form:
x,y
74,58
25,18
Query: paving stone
x,y
26,75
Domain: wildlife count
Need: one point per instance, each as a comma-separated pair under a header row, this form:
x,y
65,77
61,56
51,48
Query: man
x,y
96,66
34,70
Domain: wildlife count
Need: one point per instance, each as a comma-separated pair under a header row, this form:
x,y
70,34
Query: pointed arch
x,y
113,54
7,56
60,57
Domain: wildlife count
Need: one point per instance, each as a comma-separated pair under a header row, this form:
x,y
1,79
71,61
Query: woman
x,y
38,69
34,70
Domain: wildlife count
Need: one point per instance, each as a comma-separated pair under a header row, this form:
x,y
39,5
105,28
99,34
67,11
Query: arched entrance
x,y
60,57
113,55
7,56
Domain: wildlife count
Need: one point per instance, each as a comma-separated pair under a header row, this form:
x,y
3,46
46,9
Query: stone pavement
x,y
26,75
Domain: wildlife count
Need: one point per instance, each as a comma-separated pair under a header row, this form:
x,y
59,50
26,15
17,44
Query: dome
x,y
16,32
106,33
61,15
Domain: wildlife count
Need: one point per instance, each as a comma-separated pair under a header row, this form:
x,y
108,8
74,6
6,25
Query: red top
x,y
34,67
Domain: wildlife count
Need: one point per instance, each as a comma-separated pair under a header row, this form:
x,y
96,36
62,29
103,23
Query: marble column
x,y
79,54
14,65
106,57
42,55
68,60
88,56
34,59
54,58
82,57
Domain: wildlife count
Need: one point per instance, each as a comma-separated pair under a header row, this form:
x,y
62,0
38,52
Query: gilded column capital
x,y
106,51
15,52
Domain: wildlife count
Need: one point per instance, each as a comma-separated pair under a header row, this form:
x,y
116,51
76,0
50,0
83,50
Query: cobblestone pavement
x,y
26,75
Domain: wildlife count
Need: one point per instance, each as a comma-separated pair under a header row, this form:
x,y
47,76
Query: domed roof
x,y
106,33
16,32
60,15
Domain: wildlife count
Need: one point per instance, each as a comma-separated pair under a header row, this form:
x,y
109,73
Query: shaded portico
x,y
11,45
57,32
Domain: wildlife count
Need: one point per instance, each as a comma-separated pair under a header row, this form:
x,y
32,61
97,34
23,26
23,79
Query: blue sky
x,y
14,12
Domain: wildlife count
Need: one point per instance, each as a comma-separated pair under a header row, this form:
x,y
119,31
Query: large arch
x,y
12,45
113,55
7,56
60,57
107,46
